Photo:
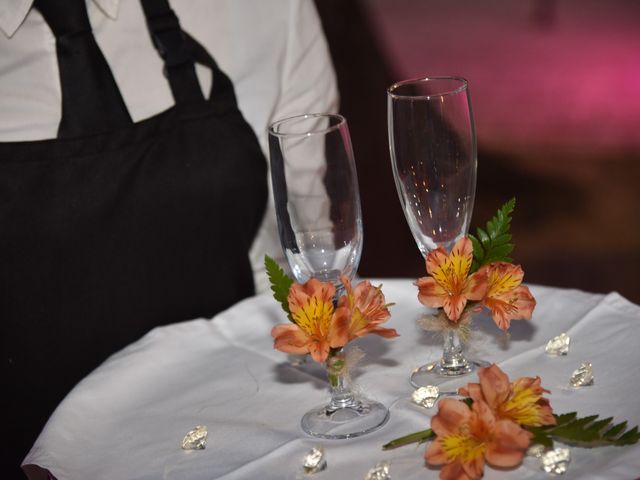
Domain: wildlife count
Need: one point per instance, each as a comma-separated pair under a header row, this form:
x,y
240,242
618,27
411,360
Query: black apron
x,y
105,235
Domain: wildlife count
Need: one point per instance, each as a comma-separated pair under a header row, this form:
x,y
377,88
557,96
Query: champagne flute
x,y
317,202
433,154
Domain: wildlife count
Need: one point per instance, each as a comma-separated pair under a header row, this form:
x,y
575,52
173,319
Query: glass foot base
x,y
435,373
357,418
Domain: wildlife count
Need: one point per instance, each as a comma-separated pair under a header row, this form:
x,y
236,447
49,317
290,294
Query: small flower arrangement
x,y
322,325
477,274
498,420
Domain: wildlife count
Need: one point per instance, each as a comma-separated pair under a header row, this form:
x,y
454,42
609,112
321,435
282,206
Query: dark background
x,y
555,87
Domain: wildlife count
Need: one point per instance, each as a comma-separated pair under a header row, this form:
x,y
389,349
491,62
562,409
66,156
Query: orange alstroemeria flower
x,y
506,298
368,309
450,285
318,325
469,437
520,401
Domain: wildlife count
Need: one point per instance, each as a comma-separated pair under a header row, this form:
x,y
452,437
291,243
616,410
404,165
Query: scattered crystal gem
x,y
556,461
196,439
379,472
426,396
583,376
314,460
536,450
558,345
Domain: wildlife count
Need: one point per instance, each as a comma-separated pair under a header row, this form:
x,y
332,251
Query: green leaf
x,y
419,437
629,438
484,238
492,244
502,239
565,418
477,247
499,253
542,438
280,284
588,431
614,431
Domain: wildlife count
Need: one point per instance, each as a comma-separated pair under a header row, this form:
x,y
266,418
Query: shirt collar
x,y
13,12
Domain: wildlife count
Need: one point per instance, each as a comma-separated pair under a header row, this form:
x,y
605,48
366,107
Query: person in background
x,y
133,179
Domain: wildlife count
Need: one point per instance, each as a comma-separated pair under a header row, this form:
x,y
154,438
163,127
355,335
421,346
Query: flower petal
x,y
453,306
436,259
474,468
476,286
299,294
503,277
509,444
461,257
472,390
526,406
371,303
319,350
430,293
455,471
338,335
434,454
517,304
290,339
385,332
451,415
525,303
495,385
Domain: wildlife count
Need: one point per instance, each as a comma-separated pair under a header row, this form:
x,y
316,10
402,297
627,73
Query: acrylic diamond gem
x,y
314,461
558,345
556,461
583,376
536,450
379,472
426,396
196,439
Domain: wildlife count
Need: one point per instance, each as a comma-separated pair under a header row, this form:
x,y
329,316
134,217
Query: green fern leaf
x,y
280,284
614,431
587,432
492,244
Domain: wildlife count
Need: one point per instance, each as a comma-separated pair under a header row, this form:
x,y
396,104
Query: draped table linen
x,y
126,420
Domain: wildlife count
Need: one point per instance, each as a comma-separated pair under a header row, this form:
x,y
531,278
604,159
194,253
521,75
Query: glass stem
x,y
452,356
341,394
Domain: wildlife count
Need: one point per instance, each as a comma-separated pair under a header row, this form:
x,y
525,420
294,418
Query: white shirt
x,y
274,52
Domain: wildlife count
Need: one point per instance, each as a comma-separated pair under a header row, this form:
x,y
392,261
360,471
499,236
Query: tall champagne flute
x,y
315,188
433,154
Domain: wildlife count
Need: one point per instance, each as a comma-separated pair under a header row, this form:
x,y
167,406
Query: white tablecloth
x,y
127,419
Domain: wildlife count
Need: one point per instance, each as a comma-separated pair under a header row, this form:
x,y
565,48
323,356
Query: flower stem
x,y
419,437
335,365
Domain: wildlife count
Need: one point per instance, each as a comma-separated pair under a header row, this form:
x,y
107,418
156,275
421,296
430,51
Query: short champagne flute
x,y
315,189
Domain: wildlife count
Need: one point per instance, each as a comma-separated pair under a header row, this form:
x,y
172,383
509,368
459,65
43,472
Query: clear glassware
x,y
347,415
315,189
434,158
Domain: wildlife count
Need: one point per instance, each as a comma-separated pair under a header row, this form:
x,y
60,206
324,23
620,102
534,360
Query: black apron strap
x,y
172,45
222,93
91,101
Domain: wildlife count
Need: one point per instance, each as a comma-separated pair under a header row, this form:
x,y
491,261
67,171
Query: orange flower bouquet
x,y
476,274
498,421
323,322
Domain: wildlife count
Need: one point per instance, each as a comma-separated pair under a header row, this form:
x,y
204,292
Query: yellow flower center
x,y
522,407
314,317
358,320
462,447
452,273
501,283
